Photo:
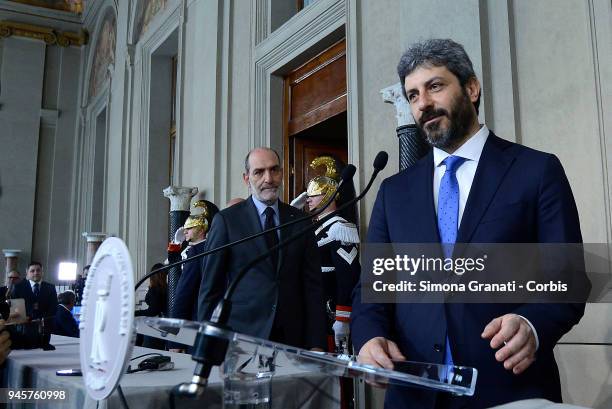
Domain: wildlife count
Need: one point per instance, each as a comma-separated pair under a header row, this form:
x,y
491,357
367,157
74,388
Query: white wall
x,y
37,115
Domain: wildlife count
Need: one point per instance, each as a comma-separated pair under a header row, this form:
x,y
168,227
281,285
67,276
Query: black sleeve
x,y
187,288
347,269
214,269
155,303
315,320
557,223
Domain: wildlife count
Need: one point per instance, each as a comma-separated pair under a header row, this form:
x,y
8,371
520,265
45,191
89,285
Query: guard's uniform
x,y
338,242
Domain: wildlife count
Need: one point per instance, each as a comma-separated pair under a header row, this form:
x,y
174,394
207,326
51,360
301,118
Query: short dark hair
x,y
247,165
67,297
437,53
35,263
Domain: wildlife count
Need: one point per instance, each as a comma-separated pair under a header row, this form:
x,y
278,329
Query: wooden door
x,y
314,116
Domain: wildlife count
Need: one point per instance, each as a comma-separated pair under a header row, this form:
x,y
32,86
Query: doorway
x,y
315,117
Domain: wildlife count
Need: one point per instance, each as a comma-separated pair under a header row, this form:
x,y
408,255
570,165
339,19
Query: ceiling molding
x,y
49,35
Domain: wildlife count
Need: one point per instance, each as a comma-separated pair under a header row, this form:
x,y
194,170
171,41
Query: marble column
x,y
93,243
180,199
412,147
12,259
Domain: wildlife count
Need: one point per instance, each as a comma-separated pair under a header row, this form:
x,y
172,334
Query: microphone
x,y
380,161
347,174
209,349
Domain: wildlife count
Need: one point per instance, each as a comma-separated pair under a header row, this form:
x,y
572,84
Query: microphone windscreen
x,y
381,160
348,172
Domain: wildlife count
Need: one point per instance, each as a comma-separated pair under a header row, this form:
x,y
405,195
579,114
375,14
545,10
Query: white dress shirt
x,y
471,151
261,209
32,283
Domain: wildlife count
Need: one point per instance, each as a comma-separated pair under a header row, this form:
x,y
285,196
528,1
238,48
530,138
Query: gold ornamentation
x,y
324,184
48,35
331,170
196,221
73,6
199,208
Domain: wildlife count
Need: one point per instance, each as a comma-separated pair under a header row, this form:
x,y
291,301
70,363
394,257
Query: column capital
x,y
11,252
180,197
393,95
94,237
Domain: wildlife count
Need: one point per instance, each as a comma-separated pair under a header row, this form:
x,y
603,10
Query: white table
x,y
36,369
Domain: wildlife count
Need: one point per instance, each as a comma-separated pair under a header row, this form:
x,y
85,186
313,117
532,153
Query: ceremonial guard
x,y
338,242
194,232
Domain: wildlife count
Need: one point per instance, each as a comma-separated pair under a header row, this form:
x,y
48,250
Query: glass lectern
x,y
251,363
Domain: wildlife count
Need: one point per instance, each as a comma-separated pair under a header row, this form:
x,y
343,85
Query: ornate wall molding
x,y
161,29
49,35
278,49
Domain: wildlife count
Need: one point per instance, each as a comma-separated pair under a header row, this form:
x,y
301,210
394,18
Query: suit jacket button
x,y
437,347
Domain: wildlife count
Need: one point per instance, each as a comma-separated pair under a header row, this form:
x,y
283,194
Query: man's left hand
x,y
514,334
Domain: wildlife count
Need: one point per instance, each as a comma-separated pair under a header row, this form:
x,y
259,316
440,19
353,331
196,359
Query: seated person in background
x,y
157,295
12,278
79,284
157,305
65,324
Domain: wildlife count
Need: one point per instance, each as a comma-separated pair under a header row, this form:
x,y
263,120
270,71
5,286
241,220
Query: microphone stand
x,y
347,174
209,349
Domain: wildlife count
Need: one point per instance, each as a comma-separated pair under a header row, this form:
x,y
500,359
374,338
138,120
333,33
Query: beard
x,y
268,195
460,119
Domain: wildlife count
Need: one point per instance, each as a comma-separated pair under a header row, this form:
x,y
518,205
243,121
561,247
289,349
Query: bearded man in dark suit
x,y
280,298
472,187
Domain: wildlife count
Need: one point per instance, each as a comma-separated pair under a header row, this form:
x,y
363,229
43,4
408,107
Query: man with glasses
x,y
12,279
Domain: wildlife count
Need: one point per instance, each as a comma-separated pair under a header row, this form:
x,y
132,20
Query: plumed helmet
x,y
196,221
204,210
324,184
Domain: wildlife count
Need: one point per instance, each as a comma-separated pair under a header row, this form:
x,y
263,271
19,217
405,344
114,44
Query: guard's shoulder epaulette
x,y
343,231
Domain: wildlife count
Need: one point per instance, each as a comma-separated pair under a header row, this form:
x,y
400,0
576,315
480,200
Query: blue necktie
x,y
36,290
448,219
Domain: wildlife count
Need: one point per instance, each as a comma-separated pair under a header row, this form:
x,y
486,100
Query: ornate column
x,y
412,147
12,259
93,243
180,198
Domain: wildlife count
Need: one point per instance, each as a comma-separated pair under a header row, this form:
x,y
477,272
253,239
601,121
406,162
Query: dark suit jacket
x,y
65,324
291,291
188,286
518,195
47,299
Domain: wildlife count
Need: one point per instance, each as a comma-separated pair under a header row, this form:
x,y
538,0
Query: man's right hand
x,y
380,352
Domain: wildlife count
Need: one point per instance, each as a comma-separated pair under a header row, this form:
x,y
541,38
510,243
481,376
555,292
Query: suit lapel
x,y
422,193
28,288
492,168
284,216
